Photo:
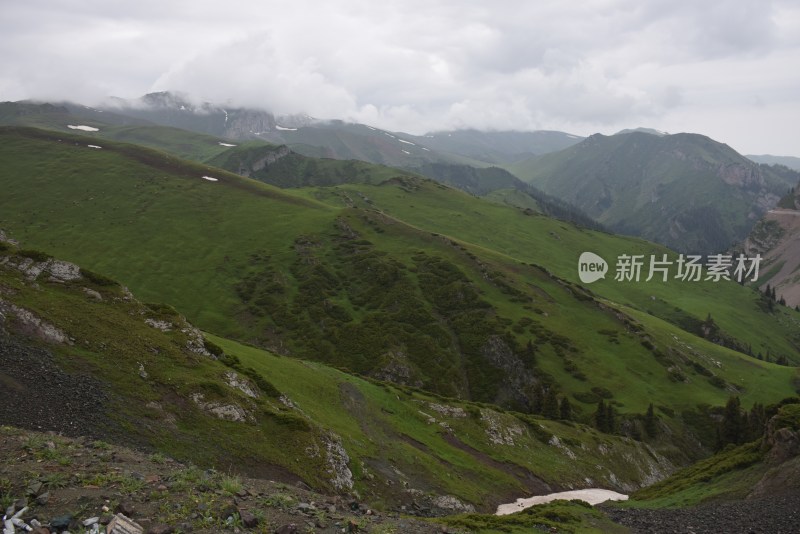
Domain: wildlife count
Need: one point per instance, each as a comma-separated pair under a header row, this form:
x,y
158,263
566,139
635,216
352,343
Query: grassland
x,y
407,280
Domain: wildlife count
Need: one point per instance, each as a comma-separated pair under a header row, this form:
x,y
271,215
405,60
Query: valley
x,y
413,337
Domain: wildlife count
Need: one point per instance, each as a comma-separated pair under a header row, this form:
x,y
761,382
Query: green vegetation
x,y
704,191
562,516
401,280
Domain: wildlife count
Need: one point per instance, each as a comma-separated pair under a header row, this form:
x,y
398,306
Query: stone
x,y
91,521
290,528
160,529
125,508
43,499
248,519
121,524
34,488
61,522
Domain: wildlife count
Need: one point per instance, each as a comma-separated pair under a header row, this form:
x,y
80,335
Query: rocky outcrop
x,y
30,324
235,381
226,411
341,477
517,377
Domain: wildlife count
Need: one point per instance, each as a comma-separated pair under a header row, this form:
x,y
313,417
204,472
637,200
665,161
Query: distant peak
x,y
650,131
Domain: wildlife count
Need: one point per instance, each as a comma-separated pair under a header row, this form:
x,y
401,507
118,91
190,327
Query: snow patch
x,y
406,142
390,135
426,149
210,178
573,136
592,496
284,129
94,146
225,144
371,128
83,127
406,152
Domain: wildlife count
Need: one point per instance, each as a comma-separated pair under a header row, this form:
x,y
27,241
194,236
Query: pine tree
x,y
611,422
756,421
565,409
550,409
600,421
537,403
650,421
732,422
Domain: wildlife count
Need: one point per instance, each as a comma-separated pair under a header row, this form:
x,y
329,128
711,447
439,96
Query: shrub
x,y
213,348
98,279
35,255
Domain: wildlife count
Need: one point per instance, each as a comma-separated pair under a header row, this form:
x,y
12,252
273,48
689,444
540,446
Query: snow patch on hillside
x,y
83,127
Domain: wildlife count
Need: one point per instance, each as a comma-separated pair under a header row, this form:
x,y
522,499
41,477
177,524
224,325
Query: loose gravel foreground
x,y
775,515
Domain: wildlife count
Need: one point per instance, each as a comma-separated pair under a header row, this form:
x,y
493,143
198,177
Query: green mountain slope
x,y
97,123
685,190
408,281
158,383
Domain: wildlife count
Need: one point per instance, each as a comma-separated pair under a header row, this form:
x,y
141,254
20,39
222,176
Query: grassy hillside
x,y
408,281
162,385
685,190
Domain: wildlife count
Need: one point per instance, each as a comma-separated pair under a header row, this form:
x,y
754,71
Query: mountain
x,y
650,131
342,140
400,334
787,161
135,373
352,274
686,191
777,238
497,148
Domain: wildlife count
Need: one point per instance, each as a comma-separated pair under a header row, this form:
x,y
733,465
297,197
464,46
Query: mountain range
x,y
404,333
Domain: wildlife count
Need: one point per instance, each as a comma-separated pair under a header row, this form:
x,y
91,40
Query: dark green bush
x,y
98,279
35,255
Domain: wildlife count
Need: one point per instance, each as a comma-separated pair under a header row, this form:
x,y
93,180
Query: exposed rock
x,y
517,377
500,433
338,460
395,367
164,326
92,293
450,411
228,412
195,342
6,239
32,325
555,442
449,502
235,381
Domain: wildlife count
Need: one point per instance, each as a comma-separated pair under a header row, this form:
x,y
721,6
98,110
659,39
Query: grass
x,y
421,274
561,516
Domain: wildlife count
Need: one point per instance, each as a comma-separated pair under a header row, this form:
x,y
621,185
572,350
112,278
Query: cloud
x,y
417,66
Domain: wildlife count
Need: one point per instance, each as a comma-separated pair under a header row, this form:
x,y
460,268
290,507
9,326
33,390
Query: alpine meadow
x,y
399,269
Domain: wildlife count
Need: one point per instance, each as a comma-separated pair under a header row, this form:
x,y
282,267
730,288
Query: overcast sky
x,y
727,69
